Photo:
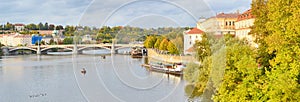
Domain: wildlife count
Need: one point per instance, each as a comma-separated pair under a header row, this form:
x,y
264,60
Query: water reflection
x,y
115,78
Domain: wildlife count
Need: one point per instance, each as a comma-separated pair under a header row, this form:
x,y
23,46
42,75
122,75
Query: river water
x,y
45,78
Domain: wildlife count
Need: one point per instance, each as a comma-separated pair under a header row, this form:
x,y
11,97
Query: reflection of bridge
x,y
74,48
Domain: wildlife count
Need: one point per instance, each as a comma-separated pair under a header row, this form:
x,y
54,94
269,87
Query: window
x,y
196,36
226,23
190,37
190,43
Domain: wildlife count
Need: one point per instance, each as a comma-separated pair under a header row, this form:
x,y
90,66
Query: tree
x,y
51,27
8,26
284,42
203,47
68,40
51,42
59,27
260,31
172,48
277,32
150,41
178,42
164,45
241,80
31,27
46,27
40,26
157,43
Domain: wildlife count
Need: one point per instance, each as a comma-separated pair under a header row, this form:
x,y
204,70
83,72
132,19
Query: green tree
x,y
260,31
150,41
68,40
172,48
157,43
242,80
51,27
278,52
284,42
203,48
46,27
178,42
51,42
40,26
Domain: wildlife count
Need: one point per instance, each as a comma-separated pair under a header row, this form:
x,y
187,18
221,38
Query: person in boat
x,y
83,71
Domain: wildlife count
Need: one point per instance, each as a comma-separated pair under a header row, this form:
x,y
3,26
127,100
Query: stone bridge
x,y
75,48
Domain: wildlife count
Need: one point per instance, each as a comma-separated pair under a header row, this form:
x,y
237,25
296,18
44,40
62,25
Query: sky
x,y
141,13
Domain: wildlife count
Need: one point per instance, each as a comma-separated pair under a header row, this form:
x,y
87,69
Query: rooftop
x,y
195,31
226,15
191,49
246,15
18,24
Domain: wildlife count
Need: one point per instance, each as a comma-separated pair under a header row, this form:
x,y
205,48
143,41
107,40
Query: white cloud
x,y
69,12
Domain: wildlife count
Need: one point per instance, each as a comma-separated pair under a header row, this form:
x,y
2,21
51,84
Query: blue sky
x,y
143,13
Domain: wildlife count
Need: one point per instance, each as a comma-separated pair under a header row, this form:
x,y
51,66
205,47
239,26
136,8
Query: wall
x,y
152,54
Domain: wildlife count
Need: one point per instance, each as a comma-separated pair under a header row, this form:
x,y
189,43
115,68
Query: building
x,y
243,26
19,27
190,37
47,39
15,39
87,38
220,24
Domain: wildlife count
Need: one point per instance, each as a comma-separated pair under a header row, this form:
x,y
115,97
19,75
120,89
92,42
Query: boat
x,y
176,69
136,53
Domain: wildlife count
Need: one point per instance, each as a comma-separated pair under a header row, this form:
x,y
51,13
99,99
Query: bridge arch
x,y
129,46
80,49
22,48
44,49
123,47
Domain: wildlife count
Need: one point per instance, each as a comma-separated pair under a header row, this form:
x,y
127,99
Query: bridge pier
x,y
5,50
38,51
75,49
113,47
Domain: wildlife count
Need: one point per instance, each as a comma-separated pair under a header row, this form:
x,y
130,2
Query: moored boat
x,y
136,53
176,69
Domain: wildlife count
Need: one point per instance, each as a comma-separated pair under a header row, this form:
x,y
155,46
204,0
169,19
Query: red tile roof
x,y
191,49
228,15
195,31
246,15
19,25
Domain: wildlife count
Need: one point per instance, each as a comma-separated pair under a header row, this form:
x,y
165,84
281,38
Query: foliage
x,y
157,43
278,79
178,42
172,48
68,40
164,45
150,41
242,77
203,48
191,72
51,42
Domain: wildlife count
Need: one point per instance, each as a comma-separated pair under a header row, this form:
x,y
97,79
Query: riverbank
x,y
153,54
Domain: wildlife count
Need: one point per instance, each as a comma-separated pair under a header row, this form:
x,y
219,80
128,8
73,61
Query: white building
x,y
15,39
19,27
243,26
86,38
190,37
220,24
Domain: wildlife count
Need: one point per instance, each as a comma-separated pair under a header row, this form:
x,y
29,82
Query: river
x,y
46,78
